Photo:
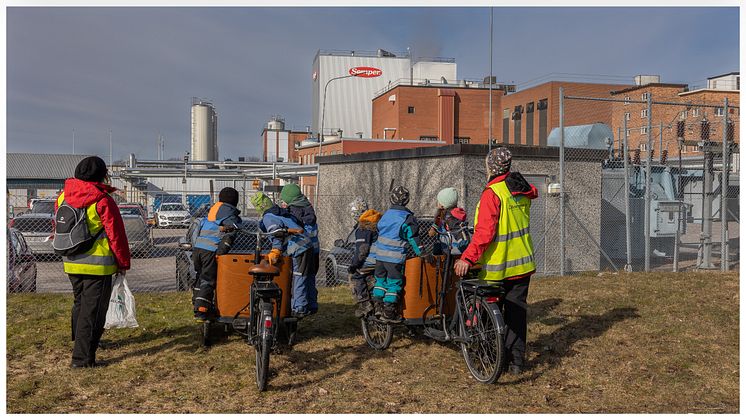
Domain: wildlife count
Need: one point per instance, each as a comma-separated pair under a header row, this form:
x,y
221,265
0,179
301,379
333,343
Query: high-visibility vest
x,y
389,246
209,230
511,252
99,259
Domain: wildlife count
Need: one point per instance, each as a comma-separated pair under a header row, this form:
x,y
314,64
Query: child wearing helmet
x,y
450,224
397,227
363,259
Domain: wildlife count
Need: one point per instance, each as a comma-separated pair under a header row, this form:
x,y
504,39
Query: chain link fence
x,y
670,184
665,199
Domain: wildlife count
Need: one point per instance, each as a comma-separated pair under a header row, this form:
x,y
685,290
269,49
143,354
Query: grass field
x,y
614,343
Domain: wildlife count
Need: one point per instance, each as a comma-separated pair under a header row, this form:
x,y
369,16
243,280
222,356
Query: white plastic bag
x,y
121,311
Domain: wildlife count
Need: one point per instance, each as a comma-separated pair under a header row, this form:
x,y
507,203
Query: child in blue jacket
x,y
297,246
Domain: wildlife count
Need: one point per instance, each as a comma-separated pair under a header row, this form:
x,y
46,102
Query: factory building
x,y
348,106
279,144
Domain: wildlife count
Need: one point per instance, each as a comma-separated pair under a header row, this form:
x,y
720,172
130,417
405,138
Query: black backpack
x,y
71,234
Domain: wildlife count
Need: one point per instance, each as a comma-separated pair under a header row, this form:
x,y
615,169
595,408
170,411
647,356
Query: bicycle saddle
x,y
264,268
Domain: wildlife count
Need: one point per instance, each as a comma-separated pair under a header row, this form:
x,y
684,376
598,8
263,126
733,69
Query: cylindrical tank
x,y
204,131
276,123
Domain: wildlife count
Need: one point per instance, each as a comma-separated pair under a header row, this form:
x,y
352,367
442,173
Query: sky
x,y
134,70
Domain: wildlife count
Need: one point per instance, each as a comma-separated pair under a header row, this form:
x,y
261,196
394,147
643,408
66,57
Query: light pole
x,y
321,132
323,108
489,139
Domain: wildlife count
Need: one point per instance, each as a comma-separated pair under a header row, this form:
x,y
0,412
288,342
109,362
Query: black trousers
x,y
92,294
515,308
206,267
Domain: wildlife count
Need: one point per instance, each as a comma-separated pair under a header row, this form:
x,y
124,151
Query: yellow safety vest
x,y
511,252
99,259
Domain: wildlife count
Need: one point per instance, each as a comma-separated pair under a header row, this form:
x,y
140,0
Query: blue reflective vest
x,y
312,231
389,247
209,232
295,244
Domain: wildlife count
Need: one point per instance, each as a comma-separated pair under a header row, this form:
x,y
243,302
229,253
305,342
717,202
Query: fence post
x,y
627,215
724,194
562,177
648,176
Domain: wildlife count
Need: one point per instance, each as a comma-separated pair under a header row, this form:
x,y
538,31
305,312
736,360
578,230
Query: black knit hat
x,y
91,169
229,196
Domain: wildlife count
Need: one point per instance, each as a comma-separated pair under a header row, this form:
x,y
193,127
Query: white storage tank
x,y
204,131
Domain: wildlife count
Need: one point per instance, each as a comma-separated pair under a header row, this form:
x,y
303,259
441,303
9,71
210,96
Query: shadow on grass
x,y
182,338
560,342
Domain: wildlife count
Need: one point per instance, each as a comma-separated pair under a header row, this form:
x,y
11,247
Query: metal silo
x,y
204,130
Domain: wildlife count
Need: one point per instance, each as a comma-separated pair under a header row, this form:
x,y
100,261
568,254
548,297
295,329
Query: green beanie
x,y
448,198
261,202
289,193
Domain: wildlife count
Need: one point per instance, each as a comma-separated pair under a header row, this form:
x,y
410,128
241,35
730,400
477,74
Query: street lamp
x,y
321,131
323,107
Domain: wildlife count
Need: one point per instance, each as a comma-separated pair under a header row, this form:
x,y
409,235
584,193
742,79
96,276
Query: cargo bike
x,y
466,311
252,298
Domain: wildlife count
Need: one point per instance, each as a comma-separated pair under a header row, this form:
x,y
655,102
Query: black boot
x,y
391,313
363,309
377,307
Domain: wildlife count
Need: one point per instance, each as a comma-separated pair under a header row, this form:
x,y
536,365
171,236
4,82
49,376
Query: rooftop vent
x,y
642,80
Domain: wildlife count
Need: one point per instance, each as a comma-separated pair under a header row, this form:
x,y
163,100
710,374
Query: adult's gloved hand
x,y
274,256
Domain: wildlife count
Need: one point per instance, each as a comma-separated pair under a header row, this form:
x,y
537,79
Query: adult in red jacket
x,y
91,272
484,248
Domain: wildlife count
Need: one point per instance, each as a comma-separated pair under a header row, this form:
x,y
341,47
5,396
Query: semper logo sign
x,y
366,72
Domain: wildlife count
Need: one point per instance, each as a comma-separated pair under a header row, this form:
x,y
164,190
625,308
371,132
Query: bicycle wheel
x,y
484,346
263,344
377,334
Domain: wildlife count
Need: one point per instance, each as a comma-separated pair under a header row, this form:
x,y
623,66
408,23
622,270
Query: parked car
x,y
21,264
245,243
172,214
37,230
43,206
129,208
139,235
337,261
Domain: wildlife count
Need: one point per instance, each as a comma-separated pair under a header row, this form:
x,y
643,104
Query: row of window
x,y
644,96
687,149
695,112
311,158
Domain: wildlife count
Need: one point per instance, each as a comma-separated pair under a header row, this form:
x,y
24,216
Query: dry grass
x,y
616,343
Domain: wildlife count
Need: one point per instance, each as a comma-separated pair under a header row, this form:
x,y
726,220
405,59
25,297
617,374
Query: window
x,y
506,113
626,116
644,113
695,112
428,138
643,130
530,107
542,106
645,95
410,109
738,83
461,140
643,147
719,111
626,100
683,114
629,132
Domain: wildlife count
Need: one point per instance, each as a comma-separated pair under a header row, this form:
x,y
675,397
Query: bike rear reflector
x,y
268,322
492,299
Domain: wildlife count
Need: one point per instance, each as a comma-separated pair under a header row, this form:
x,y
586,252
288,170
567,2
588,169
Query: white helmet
x,y
357,207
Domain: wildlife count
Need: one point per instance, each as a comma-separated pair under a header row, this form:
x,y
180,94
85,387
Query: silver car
x,y
139,235
37,230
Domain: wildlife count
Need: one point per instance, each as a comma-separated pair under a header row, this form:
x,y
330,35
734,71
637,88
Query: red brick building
x,y
669,115
461,114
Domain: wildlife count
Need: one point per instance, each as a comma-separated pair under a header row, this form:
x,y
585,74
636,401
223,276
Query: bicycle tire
x,y
484,353
263,346
378,335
